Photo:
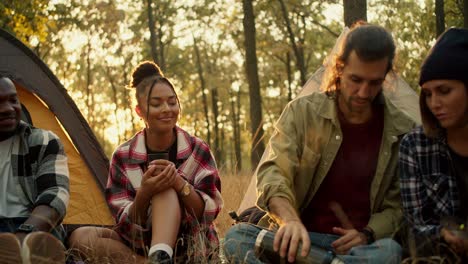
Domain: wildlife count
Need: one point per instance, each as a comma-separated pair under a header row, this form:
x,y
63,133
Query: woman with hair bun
x,y
163,185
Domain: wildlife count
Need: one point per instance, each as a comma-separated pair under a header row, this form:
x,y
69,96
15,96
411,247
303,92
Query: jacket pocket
x,y
304,179
309,158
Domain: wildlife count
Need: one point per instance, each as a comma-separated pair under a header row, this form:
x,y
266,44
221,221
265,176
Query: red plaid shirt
x,y
196,164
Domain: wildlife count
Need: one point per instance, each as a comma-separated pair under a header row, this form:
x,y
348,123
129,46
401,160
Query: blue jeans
x,y
9,225
239,247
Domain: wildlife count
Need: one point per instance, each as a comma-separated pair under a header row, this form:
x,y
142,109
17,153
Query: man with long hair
x,y
328,182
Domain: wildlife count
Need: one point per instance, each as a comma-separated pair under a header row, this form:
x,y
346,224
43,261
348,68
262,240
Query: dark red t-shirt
x,y
349,179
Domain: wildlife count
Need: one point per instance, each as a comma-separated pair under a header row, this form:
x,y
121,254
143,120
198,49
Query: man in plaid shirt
x,y
34,185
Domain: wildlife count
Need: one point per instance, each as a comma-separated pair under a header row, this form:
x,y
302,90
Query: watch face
x,y
186,189
26,228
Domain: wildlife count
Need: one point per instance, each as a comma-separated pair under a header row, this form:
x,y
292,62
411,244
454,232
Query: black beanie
x,y
448,59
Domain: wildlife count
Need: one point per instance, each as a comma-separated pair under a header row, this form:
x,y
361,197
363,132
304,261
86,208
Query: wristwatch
x,y
185,191
26,228
369,233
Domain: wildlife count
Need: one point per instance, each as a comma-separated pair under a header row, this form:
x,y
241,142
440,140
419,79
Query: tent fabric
x,y
52,108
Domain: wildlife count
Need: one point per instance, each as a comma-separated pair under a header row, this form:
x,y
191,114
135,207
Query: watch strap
x,y
369,233
26,228
183,192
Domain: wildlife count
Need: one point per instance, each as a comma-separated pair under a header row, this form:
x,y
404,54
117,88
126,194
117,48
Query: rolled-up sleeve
x,y
120,196
275,173
386,221
413,192
52,177
202,172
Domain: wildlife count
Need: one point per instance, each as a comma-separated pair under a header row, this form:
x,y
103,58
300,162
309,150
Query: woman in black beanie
x,y
434,158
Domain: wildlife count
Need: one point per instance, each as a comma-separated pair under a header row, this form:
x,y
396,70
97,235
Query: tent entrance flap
x,y
87,203
52,108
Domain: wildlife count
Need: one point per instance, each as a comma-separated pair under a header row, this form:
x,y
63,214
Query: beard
x,y
7,134
362,107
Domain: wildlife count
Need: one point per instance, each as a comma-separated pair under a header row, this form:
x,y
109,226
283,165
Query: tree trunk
x,y
222,137
214,105
89,94
289,73
162,60
116,103
298,49
465,13
238,139
237,161
440,17
254,83
354,10
203,88
151,26
128,96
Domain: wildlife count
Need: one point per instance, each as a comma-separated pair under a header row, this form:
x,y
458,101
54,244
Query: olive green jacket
x,y
304,144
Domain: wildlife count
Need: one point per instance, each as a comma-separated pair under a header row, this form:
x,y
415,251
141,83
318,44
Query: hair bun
x,y
143,70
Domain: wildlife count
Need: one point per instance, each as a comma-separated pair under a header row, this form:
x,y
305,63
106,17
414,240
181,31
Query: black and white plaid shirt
x,y
39,161
428,183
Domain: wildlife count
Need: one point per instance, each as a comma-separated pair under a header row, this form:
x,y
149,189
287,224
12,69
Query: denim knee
x,y
385,250
390,250
239,241
240,234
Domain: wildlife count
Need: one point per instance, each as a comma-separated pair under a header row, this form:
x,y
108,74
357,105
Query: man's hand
x,y
349,238
459,245
291,232
289,236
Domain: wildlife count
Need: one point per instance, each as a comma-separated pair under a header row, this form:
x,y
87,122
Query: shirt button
x,y
338,137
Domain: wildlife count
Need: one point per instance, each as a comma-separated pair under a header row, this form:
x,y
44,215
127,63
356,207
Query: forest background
x,y
235,63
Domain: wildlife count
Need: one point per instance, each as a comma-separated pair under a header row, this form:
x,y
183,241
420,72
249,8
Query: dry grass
x,y
233,189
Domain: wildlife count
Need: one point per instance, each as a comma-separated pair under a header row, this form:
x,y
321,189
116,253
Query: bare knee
x,y
79,238
85,237
169,195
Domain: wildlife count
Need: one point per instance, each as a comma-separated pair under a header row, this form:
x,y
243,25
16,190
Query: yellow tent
x,y
50,107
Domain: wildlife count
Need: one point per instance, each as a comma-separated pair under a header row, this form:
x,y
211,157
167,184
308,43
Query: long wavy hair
x,y
370,42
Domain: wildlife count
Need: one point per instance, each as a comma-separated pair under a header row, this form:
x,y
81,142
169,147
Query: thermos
x,y
264,251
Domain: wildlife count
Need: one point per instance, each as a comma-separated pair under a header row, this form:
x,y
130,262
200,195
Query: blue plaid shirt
x,y
428,182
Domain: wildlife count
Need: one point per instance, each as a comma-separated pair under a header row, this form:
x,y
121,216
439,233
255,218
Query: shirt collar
x,y
138,153
395,121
